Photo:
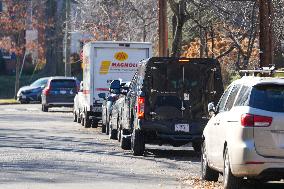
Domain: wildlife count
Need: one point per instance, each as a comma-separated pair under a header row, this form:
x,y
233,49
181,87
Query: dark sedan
x,y
32,93
59,92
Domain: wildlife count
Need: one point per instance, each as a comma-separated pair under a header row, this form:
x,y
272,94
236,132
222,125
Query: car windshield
x,y
63,83
268,97
39,82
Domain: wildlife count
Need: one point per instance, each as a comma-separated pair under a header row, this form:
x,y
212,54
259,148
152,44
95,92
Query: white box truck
x,y
104,61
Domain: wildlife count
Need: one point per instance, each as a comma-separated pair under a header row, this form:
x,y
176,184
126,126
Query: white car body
x,y
255,152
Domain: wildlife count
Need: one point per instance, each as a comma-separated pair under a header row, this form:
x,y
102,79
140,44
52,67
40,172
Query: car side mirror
x,y
81,86
102,95
211,108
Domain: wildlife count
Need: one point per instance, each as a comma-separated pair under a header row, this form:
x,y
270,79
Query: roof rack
x,y
264,70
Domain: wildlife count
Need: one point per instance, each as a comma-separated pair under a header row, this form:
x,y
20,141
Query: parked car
x,y
108,104
116,112
32,93
59,92
167,102
245,138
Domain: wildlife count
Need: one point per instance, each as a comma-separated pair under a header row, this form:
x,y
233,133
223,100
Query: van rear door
x,y
178,90
114,63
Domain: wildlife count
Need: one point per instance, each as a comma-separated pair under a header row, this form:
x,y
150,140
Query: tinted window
x,y
268,97
231,98
63,83
243,98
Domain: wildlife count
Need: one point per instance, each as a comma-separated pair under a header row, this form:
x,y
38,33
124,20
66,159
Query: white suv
x,y
245,136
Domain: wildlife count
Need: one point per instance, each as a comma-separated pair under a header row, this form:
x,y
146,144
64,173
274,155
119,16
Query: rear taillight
x,y
250,120
140,107
46,90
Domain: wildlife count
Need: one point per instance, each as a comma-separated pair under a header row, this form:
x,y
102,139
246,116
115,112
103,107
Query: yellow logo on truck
x,y
121,56
105,65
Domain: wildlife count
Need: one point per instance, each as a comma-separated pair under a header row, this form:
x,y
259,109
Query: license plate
x,y
62,92
182,128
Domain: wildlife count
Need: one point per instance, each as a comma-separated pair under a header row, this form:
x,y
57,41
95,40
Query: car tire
x,y
75,117
125,143
207,173
103,128
94,124
113,134
229,180
82,120
44,108
87,121
78,118
137,143
107,129
196,147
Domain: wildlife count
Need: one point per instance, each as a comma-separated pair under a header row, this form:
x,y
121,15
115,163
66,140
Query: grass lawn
x,y
8,101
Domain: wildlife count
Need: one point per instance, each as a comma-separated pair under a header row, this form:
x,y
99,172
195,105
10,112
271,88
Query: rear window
x,y
60,83
268,97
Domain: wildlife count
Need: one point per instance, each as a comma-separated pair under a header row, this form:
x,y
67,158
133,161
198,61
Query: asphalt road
x,y
47,150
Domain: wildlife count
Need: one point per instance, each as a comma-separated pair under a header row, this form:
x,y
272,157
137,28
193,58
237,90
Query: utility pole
x,y
163,29
67,39
266,33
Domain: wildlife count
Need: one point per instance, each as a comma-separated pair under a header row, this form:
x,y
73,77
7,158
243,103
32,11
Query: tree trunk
x,y
176,48
50,36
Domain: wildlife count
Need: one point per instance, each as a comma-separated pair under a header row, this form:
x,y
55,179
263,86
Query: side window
x,y
232,97
243,98
222,102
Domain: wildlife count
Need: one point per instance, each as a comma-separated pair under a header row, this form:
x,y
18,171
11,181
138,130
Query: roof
x,y
252,80
62,77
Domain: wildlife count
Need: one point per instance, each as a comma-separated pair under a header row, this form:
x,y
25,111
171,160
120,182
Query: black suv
x,y
167,102
59,92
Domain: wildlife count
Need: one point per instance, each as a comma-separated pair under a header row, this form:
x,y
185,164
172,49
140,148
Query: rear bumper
x,y
246,162
58,102
164,132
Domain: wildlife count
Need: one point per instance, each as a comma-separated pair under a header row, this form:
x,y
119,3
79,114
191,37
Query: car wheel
x,y
196,147
125,143
87,121
44,108
103,128
229,180
75,117
82,120
107,128
137,143
94,124
78,118
112,133
207,173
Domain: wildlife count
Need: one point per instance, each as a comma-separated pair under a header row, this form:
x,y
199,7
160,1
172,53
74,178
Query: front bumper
x,y
28,97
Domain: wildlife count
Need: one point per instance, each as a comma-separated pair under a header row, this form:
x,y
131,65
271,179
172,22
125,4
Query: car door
x,y
226,121
214,130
